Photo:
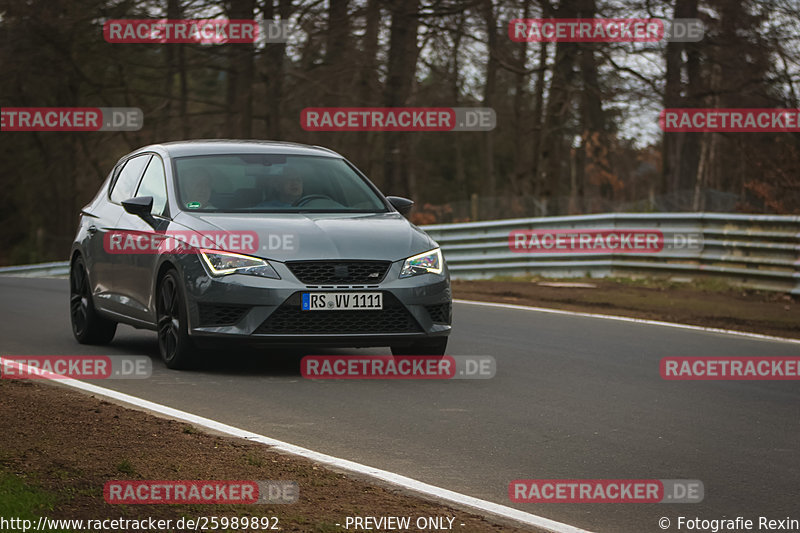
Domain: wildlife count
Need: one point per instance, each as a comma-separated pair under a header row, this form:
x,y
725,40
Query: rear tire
x,y
88,326
436,346
174,344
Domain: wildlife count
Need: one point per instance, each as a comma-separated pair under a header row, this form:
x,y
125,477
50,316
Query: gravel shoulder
x,y
702,304
64,445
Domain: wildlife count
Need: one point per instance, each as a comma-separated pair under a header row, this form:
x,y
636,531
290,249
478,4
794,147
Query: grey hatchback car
x,y
212,242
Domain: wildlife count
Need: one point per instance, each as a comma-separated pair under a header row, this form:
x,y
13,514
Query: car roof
x,y
233,146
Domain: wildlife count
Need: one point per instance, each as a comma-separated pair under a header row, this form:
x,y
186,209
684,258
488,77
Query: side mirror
x,y
140,206
403,205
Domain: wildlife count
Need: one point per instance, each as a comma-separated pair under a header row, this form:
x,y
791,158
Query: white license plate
x,y
338,301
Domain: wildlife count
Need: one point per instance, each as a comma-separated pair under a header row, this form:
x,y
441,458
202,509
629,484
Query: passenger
x,y
197,189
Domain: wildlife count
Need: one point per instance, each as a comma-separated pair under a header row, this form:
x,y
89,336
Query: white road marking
x,y
343,464
757,336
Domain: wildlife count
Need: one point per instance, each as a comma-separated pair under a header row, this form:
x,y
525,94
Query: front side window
x,y
272,183
125,185
154,184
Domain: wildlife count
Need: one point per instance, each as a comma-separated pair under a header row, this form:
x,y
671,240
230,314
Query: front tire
x,y
174,344
88,326
436,346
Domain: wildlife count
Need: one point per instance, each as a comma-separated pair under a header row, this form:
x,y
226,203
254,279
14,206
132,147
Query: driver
x,y
287,189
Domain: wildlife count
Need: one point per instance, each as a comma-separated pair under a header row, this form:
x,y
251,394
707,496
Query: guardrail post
x,y
473,207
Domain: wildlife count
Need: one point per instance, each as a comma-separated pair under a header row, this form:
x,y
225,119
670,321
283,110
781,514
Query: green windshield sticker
x,y
193,205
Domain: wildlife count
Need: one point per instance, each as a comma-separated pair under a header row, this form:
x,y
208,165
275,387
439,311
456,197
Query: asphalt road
x,y
573,397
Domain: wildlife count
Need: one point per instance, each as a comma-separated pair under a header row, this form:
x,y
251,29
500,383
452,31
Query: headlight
x,y
224,263
423,263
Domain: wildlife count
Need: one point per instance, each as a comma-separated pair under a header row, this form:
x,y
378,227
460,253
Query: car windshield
x,y
272,182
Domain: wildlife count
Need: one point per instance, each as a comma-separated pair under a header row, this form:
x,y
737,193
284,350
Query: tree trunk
x,y
368,85
556,132
689,157
537,139
274,54
337,38
239,97
595,152
489,177
455,88
402,64
521,165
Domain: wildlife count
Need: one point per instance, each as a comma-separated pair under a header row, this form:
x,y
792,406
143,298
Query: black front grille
x,y
289,319
221,314
339,272
440,313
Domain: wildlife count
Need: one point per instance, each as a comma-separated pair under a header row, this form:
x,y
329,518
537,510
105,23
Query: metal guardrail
x,y
42,270
756,251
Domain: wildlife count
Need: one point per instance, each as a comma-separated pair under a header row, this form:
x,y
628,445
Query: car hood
x,y
384,236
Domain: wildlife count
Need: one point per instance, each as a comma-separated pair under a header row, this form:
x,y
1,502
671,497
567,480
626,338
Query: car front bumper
x,y
262,310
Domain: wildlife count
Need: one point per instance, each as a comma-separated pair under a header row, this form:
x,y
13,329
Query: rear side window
x,y
126,183
154,184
